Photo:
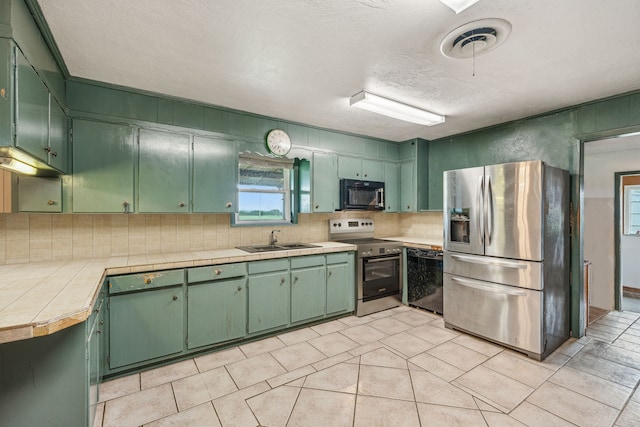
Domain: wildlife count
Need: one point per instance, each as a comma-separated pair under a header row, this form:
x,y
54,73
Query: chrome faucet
x,y
274,238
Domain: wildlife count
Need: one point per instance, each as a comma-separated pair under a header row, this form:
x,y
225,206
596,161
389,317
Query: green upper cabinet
x,y
163,171
391,187
32,110
58,154
325,182
215,175
357,168
407,187
40,123
103,166
37,194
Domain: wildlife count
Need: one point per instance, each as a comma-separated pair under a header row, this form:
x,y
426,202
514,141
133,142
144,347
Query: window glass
x,y
264,190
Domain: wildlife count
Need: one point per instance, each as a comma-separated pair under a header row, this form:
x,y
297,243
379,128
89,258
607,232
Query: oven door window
x,y
380,277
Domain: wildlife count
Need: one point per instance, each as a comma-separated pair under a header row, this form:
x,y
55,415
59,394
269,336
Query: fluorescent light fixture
x,y
459,5
17,166
397,110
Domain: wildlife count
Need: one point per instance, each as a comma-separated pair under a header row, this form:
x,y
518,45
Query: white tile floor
x,y
399,367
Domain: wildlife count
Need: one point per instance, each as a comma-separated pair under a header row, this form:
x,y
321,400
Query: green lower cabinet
x,y
94,351
216,312
340,283
308,293
145,325
269,297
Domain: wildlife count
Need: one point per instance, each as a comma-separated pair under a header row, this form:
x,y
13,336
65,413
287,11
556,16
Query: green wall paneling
x,y
247,126
164,172
103,166
213,120
179,113
26,34
43,380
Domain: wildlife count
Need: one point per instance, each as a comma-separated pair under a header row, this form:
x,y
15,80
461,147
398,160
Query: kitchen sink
x,y
278,247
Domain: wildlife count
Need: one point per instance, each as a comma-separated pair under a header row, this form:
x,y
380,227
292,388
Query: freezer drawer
x,y
505,314
524,274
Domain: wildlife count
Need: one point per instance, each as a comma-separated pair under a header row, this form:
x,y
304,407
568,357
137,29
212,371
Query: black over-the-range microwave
x,y
361,195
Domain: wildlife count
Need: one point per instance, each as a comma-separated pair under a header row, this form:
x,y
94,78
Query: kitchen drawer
x,y
307,261
339,257
217,272
142,281
266,266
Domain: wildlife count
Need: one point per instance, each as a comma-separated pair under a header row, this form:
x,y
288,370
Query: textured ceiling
x,y
301,60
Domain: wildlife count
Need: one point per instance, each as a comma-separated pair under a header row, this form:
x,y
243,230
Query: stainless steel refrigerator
x,y
506,260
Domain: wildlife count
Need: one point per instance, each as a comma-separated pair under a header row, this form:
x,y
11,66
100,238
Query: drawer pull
x,y
217,272
147,280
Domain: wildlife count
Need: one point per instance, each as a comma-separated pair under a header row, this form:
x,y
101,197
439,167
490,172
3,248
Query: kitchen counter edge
x,y
45,318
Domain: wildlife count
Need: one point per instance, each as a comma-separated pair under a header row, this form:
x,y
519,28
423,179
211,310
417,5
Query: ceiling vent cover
x,y
475,38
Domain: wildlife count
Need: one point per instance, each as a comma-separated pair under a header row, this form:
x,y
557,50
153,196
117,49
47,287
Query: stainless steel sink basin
x,y
278,247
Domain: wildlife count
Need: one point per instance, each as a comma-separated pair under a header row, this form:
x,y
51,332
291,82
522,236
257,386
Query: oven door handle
x,y
389,258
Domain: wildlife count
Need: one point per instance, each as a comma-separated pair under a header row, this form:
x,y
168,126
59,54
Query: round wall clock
x,y
278,142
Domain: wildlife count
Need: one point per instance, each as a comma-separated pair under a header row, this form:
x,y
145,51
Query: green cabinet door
x,y
408,193
37,194
103,162
308,293
145,325
215,175
32,110
95,325
325,182
269,301
340,287
391,187
349,167
372,170
58,153
163,171
217,311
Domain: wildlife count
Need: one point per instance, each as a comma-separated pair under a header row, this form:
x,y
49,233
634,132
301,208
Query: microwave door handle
x,y
380,197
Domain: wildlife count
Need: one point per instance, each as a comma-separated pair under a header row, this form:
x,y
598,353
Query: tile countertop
x,y
38,299
418,242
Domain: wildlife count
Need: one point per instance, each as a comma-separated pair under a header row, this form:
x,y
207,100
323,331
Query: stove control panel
x,y
351,225
377,251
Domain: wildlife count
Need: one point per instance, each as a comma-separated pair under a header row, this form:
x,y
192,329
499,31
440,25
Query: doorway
x,y
606,161
627,227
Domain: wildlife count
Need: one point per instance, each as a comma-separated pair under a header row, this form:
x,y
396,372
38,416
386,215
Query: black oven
x,y
361,195
380,277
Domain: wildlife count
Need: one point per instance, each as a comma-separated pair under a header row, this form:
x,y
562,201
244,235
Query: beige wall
x,y
45,237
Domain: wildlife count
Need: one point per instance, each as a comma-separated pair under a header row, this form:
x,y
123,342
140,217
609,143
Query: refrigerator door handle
x,y
480,208
489,216
496,262
500,289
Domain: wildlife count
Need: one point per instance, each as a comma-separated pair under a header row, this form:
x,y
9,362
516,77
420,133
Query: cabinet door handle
x,y
282,281
181,204
239,288
175,297
317,206
54,154
330,273
229,204
51,202
295,279
126,206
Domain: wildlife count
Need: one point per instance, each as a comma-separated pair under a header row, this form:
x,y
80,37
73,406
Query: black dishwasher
x,y
424,278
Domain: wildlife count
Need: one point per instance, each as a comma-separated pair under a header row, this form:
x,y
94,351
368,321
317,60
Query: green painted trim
x,y
45,31
617,276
